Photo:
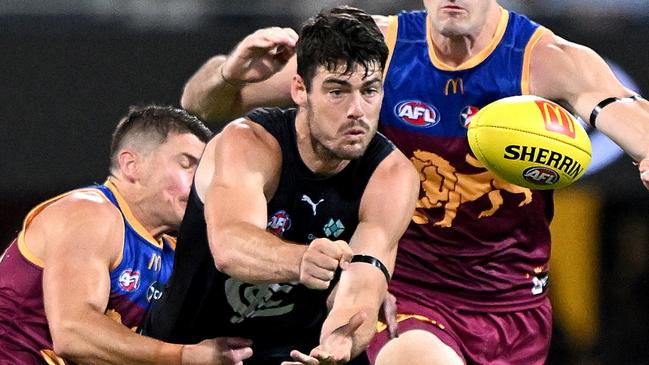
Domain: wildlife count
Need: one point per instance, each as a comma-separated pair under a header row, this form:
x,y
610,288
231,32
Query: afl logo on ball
x,y
417,113
540,175
279,223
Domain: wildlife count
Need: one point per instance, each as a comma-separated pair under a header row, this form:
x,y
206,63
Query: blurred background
x,y
70,68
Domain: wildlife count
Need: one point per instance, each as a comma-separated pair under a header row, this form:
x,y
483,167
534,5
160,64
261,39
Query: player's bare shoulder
x,y
82,205
560,68
83,214
405,166
247,139
242,144
396,168
243,128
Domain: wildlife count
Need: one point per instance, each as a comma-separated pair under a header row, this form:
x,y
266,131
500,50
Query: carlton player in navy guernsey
x,y
472,268
302,210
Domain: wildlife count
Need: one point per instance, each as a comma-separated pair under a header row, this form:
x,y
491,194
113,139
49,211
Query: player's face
x,y
343,111
456,18
169,170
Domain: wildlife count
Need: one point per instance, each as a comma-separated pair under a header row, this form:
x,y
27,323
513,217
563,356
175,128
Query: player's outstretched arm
x,y
84,235
257,73
239,174
358,296
578,76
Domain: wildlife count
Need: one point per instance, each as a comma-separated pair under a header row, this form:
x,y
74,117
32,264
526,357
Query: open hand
x,y
260,55
335,349
218,351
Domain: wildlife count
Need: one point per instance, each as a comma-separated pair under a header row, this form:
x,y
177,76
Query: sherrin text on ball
x,y
530,141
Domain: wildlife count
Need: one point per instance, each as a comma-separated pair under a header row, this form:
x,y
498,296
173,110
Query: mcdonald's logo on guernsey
x,y
454,85
155,263
556,118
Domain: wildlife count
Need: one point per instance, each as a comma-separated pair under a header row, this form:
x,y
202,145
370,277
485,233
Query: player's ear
x,y
298,91
128,163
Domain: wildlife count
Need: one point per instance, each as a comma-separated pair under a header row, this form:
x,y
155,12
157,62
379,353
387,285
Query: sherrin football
x,y
530,141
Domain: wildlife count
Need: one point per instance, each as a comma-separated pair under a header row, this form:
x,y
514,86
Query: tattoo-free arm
x,y
84,237
362,287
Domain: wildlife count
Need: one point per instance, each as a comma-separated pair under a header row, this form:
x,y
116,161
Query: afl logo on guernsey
x,y
129,280
279,223
417,113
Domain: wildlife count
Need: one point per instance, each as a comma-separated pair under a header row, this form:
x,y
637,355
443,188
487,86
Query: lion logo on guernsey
x,y
417,113
447,188
279,223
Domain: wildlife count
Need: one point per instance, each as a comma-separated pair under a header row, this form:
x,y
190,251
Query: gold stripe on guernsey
x,y
171,240
475,60
380,326
527,59
391,40
126,211
22,246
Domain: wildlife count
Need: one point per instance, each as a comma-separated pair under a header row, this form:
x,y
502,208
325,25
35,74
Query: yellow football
x,y
530,141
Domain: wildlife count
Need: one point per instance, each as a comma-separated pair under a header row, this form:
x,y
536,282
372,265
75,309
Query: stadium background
x,y
70,68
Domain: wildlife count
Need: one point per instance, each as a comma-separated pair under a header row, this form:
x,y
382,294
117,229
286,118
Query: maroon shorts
x,y
509,338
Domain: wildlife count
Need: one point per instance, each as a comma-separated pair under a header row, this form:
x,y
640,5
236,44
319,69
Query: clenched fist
x,y
321,260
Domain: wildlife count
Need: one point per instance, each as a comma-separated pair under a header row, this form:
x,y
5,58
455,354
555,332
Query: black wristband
x,y
598,108
374,262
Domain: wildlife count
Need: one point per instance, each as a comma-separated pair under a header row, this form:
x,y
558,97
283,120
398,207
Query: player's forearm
x,y
208,96
255,256
643,126
628,125
97,339
360,289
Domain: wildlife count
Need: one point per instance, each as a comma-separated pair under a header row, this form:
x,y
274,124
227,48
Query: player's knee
x,y
417,347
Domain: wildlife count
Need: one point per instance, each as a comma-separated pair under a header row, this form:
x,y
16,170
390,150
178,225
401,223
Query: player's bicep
x,y
574,74
244,160
579,77
84,240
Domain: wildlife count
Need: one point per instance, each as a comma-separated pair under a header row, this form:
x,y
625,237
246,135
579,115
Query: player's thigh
x,y
416,347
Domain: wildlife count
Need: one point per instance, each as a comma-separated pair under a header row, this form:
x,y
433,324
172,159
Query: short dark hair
x,y
153,123
342,35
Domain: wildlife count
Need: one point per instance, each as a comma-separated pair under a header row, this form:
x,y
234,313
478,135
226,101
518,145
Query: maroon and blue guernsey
x,y
137,278
475,241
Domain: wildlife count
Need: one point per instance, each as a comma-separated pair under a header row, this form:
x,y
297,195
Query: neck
x,y
133,202
317,158
457,49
